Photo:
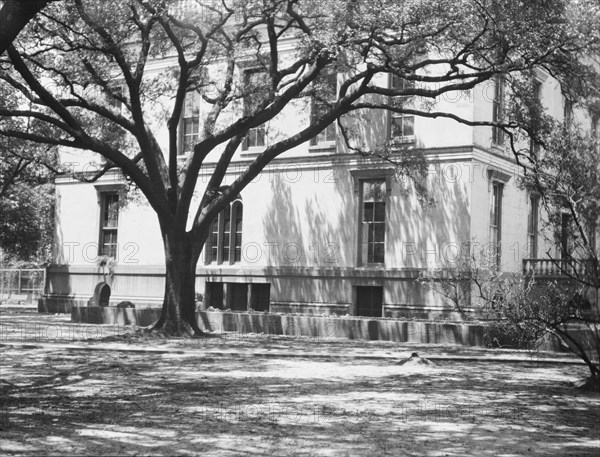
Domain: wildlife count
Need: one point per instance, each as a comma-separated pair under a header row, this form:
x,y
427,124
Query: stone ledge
x,y
59,304
64,304
298,325
319,327
110,315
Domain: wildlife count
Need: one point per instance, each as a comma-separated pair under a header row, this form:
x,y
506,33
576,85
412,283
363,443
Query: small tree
x,y
525,307
522,309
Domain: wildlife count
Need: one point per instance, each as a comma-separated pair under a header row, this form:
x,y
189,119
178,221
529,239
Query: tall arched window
x,y
224,244
237,211
225,240
212,244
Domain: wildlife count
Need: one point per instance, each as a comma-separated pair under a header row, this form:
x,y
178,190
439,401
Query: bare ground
x,y
245,395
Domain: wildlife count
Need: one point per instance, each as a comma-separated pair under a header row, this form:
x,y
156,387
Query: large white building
x,y
322,229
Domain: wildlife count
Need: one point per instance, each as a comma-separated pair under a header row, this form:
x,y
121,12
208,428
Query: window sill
x,y
104,187
254,151
499,146
323,147
224,263
372,266
403,139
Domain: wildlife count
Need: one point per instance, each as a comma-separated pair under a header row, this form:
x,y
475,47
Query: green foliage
x,y
27,205
26,224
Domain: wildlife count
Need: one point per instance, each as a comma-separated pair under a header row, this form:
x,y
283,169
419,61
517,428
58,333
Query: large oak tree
x,y
70,62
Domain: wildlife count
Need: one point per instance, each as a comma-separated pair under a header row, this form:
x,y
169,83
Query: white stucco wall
x,y
302,211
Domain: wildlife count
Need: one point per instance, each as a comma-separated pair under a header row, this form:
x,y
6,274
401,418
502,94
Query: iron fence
x,y
19,282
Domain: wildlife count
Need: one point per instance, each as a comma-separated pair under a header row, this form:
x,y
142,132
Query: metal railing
x,y
27,281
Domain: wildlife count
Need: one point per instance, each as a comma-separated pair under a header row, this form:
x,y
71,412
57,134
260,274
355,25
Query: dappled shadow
x,y
58,277
58,402
312,224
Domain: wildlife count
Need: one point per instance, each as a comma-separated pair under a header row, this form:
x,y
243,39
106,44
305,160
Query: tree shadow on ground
x,y
102,403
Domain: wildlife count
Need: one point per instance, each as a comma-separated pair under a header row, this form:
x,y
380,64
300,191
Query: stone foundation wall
x,y
321,328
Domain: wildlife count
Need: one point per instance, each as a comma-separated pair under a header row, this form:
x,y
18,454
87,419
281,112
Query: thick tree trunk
x,y
14,16
178,315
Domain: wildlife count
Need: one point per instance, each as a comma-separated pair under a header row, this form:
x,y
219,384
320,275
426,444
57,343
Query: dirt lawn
x,y
279,396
